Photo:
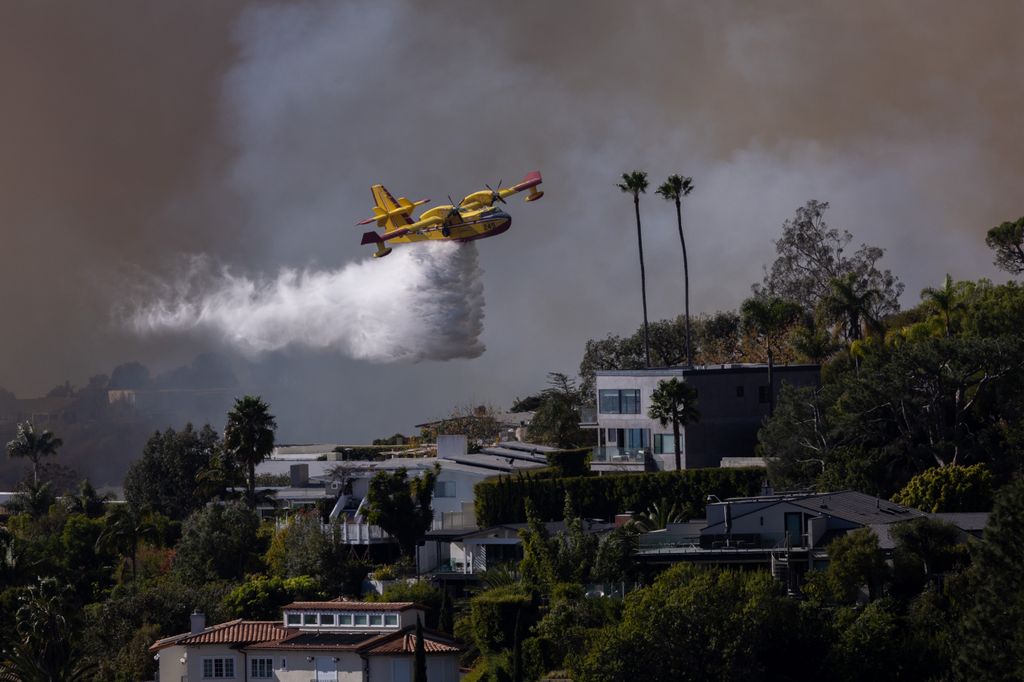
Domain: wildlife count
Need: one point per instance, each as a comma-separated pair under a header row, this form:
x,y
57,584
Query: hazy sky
x,y
137,135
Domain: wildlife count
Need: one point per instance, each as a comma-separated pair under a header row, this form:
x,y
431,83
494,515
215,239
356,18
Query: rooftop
x,y
735,367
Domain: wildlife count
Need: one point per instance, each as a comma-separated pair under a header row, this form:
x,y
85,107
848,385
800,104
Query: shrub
x,y
949,489
570,462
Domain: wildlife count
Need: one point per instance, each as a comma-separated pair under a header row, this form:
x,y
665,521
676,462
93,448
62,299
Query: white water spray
x,y
423,302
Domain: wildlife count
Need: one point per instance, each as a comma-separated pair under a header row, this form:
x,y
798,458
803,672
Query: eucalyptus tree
x,y
635,183
674,189
34,445
674,402
1007,240
249,438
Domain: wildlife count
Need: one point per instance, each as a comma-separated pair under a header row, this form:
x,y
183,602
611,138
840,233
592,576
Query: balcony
x,y
618,459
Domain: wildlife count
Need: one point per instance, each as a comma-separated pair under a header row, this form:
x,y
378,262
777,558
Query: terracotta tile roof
x,y
338,605
235,632
405,643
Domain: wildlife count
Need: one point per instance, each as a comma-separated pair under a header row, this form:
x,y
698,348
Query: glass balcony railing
x,y
608,455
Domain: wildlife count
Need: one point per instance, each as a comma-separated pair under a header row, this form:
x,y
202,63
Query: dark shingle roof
x,y
857,508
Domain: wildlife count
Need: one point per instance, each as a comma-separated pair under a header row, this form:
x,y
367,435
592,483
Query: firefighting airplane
x,y
475,217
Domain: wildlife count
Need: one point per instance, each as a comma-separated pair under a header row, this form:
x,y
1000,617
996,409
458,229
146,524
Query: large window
x,y
262,668
663,444
444,489
619,401
637,438
218,668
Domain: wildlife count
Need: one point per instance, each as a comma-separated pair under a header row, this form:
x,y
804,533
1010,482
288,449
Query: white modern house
x,y
332,641
733,400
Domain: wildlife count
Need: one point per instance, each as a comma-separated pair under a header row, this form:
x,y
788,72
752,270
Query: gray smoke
x,y
423,302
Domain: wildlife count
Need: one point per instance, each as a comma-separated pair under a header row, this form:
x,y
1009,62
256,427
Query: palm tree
x,y
249,438
125,529
674,401
47,646
945,301
849,305
674,189
659,515
768,317
30,443
635,183
86,501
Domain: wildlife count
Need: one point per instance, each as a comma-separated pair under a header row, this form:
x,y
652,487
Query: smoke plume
x,y
423,302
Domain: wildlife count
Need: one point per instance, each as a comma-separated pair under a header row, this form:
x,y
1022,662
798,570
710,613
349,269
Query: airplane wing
x,y
487,197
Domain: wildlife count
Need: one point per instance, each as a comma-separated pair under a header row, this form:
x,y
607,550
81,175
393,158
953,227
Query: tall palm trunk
x,y
643,279
251,485
686,280
679,454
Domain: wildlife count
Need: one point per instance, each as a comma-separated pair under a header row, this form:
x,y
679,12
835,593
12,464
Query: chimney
x,y
623,518
300,475
198,619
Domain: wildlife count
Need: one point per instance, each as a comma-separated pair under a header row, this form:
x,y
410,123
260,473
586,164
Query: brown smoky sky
x,y
138,134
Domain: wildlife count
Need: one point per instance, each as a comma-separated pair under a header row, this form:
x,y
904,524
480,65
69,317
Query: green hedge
x,y
570,462
500,500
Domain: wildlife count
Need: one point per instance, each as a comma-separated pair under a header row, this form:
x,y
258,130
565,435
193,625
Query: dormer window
x,y
376,619
309,619
345,619
360,619
293,619
390,619
326,619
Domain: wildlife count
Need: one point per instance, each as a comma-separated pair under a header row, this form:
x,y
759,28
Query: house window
x,y
444,489
619,401
261,668
613,437
360,619
326,619
637,438
218,668
294,619
762,394
345,619
739,391
376,619
663,443
309,619
390,619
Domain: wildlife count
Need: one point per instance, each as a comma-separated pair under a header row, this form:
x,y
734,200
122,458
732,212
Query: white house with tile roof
x,y
335,641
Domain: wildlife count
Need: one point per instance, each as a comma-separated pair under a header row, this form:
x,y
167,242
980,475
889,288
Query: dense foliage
x,y
502,500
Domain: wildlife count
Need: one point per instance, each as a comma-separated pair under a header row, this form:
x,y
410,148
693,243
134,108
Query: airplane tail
x,y
388,212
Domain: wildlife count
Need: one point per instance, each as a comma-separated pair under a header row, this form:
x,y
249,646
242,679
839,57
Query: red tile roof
x,y
338,605
405,643
237,632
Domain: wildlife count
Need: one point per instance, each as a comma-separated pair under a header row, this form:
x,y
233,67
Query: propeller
x,y
494,195
452,213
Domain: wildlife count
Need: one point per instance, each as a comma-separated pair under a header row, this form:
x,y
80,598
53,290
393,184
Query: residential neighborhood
x,y
511,342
